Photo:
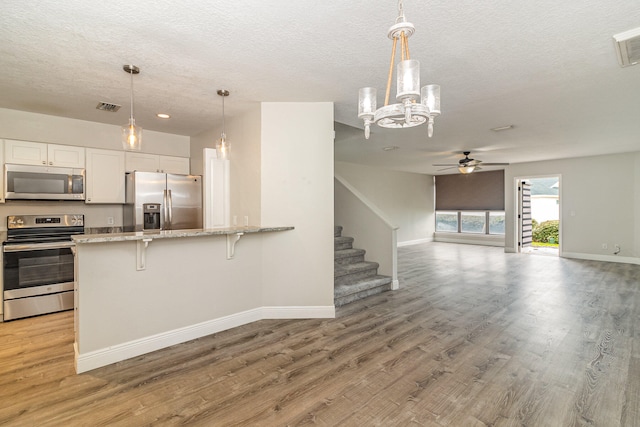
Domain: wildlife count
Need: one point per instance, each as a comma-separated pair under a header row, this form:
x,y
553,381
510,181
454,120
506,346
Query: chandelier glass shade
x,y
222,145
415,105
131,133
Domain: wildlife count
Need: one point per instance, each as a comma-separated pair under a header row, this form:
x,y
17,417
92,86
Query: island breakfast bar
x,y
142,291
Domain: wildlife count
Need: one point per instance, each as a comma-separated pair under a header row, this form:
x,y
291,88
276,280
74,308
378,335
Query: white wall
x,y
407,199
61,130
297,190
25,126
599,204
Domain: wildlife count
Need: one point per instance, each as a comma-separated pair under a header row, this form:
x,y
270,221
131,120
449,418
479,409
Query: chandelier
x,y
415,105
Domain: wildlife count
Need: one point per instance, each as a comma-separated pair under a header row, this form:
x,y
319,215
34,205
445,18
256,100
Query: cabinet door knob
x,y
44,163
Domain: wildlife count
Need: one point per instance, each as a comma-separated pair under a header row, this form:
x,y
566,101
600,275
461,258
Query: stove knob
x,y
77,220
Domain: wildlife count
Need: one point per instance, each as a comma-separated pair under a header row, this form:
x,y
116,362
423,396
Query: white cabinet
x,y
104,176
1,177
65,155
156,163
170,164
39,153
141,162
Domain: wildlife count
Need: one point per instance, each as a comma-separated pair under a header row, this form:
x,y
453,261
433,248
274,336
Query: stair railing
x,y
368,225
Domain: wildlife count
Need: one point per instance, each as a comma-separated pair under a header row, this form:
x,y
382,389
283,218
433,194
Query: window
x,y
496,222
476,222
473,222
447,221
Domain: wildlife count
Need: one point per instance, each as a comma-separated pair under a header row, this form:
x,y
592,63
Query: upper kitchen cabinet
x,y
104,176
39,153
156,163
1,176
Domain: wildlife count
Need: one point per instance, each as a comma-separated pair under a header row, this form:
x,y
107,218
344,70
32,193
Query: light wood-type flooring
x,y
474,337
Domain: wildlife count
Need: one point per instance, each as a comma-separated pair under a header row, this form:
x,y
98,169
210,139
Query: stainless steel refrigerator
x,y
162,201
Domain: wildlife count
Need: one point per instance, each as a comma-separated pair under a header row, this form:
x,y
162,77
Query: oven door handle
x,y
37,246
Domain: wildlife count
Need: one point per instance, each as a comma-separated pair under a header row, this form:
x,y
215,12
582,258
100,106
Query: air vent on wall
x,y
106,106
628,47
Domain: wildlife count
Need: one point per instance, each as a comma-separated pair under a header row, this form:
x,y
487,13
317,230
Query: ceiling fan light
x,y
466,169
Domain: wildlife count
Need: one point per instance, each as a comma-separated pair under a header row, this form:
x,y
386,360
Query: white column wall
x,y
407,199
244,136
297,190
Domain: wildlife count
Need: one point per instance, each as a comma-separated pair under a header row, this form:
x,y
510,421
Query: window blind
x,y
475,191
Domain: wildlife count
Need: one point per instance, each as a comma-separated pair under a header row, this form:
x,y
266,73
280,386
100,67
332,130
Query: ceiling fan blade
x,y
495,164
444,169
444,164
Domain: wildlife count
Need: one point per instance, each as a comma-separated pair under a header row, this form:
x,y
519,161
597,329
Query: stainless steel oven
x,y
38,264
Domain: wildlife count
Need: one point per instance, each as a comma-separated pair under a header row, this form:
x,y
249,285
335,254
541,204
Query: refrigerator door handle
x,y
170,210
166,213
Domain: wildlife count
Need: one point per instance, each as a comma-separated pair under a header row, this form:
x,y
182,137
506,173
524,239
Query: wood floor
x,y
474,337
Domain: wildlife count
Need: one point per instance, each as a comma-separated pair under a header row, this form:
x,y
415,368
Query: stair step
x,y
349,256
354,273
337,230
342,243
344,294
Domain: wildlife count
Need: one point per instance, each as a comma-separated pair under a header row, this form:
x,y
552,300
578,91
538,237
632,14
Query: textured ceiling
x,y
548,68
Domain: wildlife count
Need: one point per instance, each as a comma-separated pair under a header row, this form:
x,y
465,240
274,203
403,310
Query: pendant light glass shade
x,y
131,133
131,136
222,145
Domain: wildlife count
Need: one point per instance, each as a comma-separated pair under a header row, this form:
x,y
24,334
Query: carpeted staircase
x,y
354,278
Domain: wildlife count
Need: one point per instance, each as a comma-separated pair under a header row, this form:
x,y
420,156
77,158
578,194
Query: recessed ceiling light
x,y
391,148
163,115
499,128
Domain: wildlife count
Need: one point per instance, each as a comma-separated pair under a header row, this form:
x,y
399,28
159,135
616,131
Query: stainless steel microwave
x,y
26,182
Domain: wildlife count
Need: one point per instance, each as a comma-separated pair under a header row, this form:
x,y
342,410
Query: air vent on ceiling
x,y
628,47
106,106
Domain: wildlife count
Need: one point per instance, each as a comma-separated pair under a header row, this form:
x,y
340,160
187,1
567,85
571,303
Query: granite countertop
x,y
172,234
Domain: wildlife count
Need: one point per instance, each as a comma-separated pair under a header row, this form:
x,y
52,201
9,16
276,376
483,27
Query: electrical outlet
x,y
235,220
604,246
110,220
246,220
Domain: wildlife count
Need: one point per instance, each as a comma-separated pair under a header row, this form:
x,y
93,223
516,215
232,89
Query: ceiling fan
x,y
468,165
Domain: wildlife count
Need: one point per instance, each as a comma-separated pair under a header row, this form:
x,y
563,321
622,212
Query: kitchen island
x,y
142,291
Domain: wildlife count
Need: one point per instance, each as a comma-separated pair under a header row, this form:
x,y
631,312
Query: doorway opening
x,y
538,215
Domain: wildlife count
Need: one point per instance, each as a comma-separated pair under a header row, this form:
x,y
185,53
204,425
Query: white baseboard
x,y
483,241
415,242
395,285
510,250
304,312
606,258
106,356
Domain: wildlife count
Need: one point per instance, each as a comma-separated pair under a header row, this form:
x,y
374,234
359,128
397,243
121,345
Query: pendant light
x,y
131,134
222,146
